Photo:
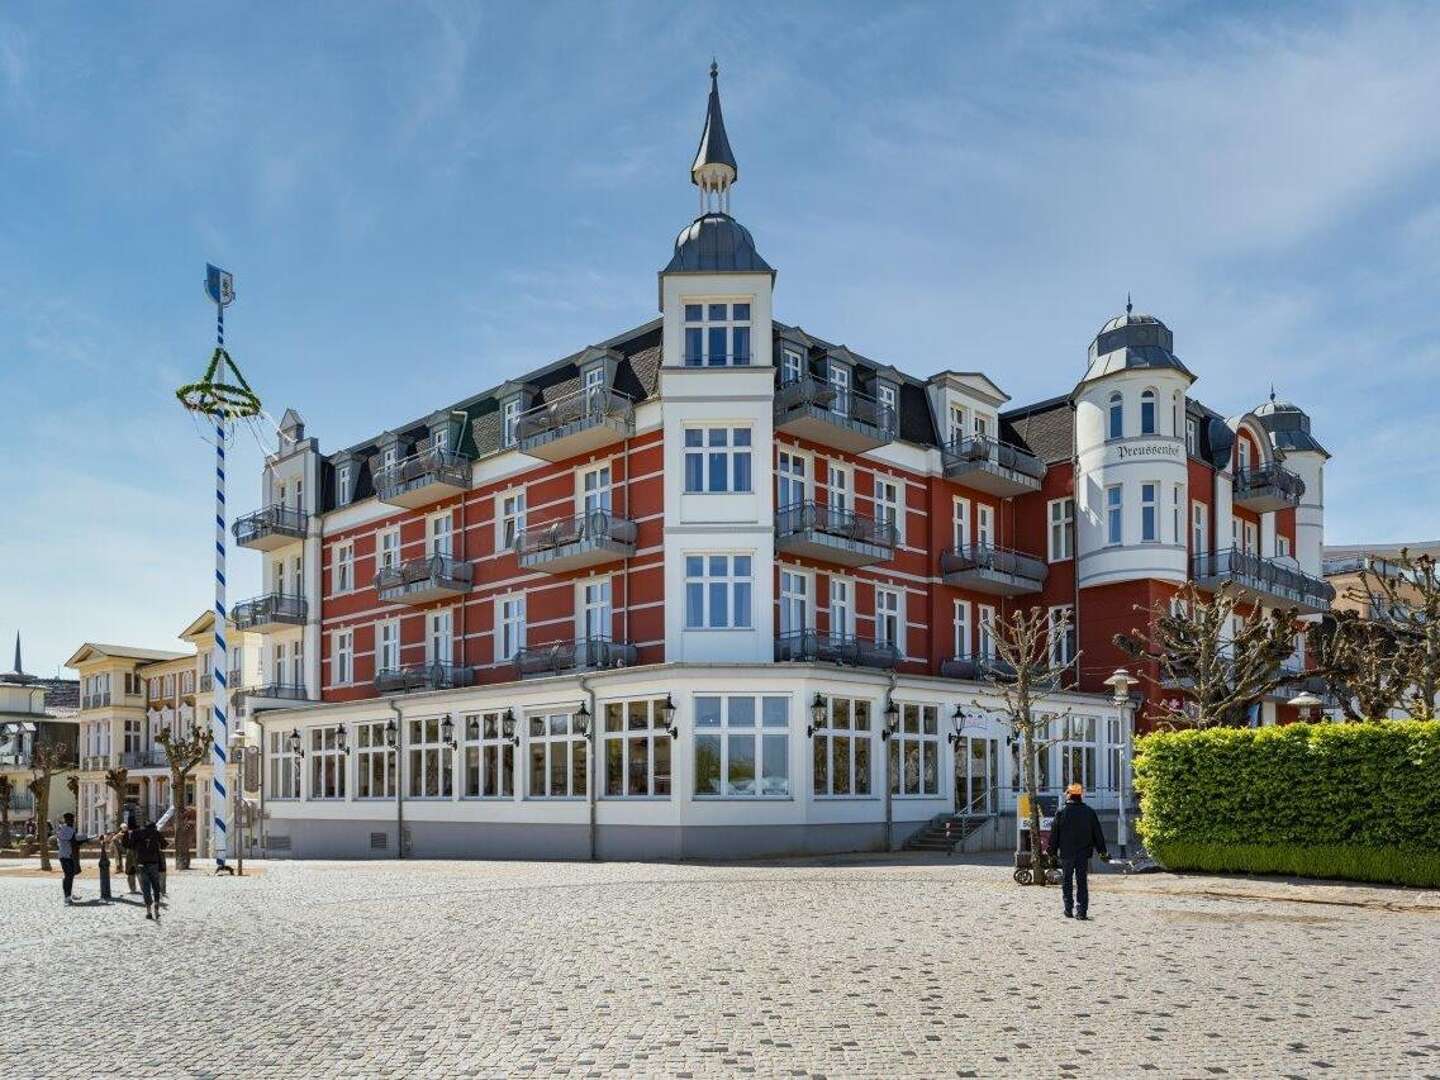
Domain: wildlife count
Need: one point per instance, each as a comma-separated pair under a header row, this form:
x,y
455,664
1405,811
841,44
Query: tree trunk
x,y
1032,788
42,818
177,799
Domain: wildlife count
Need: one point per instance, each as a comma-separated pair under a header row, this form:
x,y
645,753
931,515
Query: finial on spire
x,y
714,169
1272,393
1128,306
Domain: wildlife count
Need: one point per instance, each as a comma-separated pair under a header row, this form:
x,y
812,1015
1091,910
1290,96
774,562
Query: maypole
x,y
222,396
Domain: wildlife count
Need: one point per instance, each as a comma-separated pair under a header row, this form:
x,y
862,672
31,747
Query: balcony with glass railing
x,y
576,423
988,569
1264,488
812,408
273,611
573,543
1276,582
419,581
413,677
424,477
581,654
986,464
834,535
271,527
847,649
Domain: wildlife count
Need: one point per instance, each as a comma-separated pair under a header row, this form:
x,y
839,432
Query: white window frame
x,y
1061,646
1192,436
635,738
488,765
1177,513
509,517
1149,512
960,624
327,766
1114,515
706,322
842,599
594,608
549,738
342,568
840,378
984,525
797,612
985,625
387,549
839,486
509,422
440,636
440,534
1199,528
1115,416
764,723
1149,400
510,623
890,617
792,470
427,758
387,645
1060,516
959,429
918,735
842,726
342,659
374,763
792,367
889,503
738,586
284,772
596,488
960,522
722,450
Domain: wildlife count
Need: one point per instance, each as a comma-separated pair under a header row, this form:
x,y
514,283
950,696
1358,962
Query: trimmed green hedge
x,y
1356,801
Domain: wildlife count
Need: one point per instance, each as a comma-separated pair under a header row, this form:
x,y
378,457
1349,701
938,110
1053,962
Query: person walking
x,y
1074,837
127,856
67,847
149,848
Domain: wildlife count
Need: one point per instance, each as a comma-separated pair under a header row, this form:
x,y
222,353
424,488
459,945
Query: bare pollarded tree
x,y
1222,659
7,792
47,761
183,755
1028,671
115,780
1404,595
1364,665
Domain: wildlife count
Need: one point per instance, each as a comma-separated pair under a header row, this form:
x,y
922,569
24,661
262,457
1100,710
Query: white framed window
x,y
841,749
1192,436
960,520
742,746
510,626
1116,426
915,752
885,394
1062,529
1149,512
637,749
792,471
387,547
430,764
441,528
1078,750
838,375
558,757
389,456
594,609
837,481
717,592
510,518
342,650
374,762
890,505
278,576
1177,503
284,768
327,763
342,482
717,334
1147,412
1115,514
1282,546
717,460
1062,634
595,490
297,575
1242,451
297,663
1235,532
489,758
387,645
343,568
962,628
593,379
1199,528
958,430
982,426
1252,537
984,525
509,422
440,636
792,366
986,626
842,607
440,440
794,601
890,618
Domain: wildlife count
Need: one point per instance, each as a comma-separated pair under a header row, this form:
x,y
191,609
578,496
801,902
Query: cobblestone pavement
x,y
842,967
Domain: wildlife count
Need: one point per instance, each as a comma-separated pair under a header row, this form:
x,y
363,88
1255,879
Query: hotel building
x,y
685,591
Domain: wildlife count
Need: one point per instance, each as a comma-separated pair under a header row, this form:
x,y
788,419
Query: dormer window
x,y
792,366
1147,413
1117,416
958,432
441,440
888,397
839,377
982,426
717,335
389,456
510,419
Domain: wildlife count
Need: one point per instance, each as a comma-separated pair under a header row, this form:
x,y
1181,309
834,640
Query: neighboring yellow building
x,y
1346,567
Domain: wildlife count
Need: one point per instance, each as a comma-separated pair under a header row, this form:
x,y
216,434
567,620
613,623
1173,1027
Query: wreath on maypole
x,y
221,392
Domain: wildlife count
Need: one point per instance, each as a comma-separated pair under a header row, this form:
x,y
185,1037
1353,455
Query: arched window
x,y
1147,412
1117,415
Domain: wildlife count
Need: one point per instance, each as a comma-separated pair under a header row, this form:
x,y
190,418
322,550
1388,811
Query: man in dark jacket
x,y
1075,835
149,848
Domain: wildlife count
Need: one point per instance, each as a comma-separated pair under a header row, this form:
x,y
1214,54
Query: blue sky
x,y
419,200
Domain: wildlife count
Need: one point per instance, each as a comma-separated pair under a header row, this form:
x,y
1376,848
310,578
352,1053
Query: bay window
x,y
637,749
742,746
717,460
841,748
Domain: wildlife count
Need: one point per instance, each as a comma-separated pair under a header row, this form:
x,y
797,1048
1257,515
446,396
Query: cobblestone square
x,y
835,968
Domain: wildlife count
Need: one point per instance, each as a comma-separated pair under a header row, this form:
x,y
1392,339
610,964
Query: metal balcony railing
x,y
1272,484
276,520
596,531
267,610
982,565
430,467
976,667
426,578
814,645
808,396
844,525
144,759
283,691
581,654
410,677
977,454
580,411
1269,579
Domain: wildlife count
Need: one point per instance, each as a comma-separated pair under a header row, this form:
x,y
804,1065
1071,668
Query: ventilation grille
x,y
379,841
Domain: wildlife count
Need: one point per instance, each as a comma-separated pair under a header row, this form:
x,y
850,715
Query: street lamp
x,y
1120,683
957,721
1306,703
447,731
340,742
392,734
582,719
668,711
507,727
892,721
818,709
297,747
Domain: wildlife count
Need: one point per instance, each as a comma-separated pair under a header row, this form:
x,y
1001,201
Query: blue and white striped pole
x,y
219,726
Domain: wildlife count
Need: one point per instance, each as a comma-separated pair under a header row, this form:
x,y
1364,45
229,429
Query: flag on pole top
x,y
219,285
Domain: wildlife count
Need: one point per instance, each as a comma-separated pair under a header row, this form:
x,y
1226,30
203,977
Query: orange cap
x,y
1074,789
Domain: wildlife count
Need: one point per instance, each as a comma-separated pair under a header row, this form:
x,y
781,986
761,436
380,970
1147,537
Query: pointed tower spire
x,y
1128,305
19,670
714,169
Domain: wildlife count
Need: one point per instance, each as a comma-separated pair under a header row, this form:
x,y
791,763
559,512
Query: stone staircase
x,y
946,832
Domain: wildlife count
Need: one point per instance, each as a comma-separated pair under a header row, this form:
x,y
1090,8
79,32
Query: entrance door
x,y
977,775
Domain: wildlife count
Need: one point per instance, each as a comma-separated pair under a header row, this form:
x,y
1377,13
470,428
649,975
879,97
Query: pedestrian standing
x,y
1074,837
67,847
127,856
149,848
